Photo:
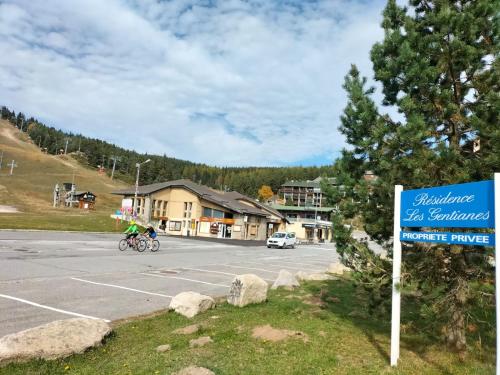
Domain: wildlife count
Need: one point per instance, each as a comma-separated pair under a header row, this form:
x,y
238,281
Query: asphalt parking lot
x,y
45,276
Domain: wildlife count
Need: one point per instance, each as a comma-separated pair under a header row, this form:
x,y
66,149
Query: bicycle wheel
x,y
141,244
155,246
122,245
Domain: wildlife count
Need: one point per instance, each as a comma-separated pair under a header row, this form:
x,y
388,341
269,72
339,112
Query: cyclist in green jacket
x,y
132,231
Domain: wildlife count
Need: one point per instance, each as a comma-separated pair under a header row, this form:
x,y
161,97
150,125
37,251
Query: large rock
x,y
319,277
303,276
190,304
57,339
286,280
247,289
337,268
194,370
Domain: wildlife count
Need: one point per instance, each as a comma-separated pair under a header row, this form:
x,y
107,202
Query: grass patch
x,y
65,219
30,188
342,340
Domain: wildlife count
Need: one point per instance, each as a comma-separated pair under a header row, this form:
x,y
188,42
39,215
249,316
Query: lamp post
x,y
138,166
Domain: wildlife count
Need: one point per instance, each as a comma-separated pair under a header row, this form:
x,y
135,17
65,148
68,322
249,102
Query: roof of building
x,y
227,200
238,196
316,183
281,207
77,193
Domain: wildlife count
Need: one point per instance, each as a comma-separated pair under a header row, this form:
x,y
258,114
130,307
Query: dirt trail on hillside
x,y
9,134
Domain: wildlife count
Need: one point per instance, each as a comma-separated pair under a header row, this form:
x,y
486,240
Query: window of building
x,y
163,209
140,209
204,227
212,212
174,225
188,206
218,214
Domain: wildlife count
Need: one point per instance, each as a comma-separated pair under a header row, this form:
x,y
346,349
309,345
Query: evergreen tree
x,y
438,65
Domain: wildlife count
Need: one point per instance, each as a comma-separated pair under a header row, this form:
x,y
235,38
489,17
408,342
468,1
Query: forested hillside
x,y
94,152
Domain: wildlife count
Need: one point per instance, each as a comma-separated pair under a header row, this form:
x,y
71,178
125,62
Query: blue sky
x,y
228,82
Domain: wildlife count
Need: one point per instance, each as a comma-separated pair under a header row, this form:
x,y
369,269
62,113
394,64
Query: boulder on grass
x,y
247,289
337,268
303,276
190,304
57,339
286,280
194,370
319,277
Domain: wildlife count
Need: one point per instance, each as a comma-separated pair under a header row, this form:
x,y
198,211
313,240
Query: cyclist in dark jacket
x,y
150,233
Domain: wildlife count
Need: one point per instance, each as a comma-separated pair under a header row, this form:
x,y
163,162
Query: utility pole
x,y
12,165
115,159
39,141
79,144
66,147
138,166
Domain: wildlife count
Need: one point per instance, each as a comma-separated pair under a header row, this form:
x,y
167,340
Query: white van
x,y
282,240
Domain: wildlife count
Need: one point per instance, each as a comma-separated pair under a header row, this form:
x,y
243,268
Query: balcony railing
x,y
308,221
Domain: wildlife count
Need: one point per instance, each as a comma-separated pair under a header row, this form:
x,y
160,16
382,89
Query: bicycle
x,y
151,245
137,243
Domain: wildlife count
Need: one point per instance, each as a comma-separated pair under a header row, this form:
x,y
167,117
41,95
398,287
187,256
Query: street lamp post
x,y
138,166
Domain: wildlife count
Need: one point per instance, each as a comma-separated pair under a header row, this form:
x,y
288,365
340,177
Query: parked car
x,y
282,240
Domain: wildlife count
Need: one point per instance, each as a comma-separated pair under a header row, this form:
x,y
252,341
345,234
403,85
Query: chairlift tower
x,y
115,159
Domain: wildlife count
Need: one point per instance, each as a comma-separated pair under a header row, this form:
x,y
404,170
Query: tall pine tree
x,y
438,64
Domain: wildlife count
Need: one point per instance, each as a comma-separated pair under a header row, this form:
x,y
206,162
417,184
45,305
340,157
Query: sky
x,y
226,83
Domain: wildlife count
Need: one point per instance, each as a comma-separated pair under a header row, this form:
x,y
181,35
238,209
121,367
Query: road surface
x,y
45,276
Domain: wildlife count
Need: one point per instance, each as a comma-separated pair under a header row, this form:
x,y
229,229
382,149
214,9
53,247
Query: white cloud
x,y
233,83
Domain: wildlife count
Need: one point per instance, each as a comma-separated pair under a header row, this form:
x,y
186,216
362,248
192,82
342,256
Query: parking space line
x,y
219,272
184,278
51,308
121,287
200,270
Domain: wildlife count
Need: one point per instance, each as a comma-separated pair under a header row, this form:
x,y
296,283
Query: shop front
x,y
216,227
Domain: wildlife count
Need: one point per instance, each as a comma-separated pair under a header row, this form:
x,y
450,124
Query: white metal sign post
x,y
497,262
469,205
396,278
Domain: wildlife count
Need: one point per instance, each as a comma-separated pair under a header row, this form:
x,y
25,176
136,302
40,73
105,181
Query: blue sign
x,y
479,239
459,206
